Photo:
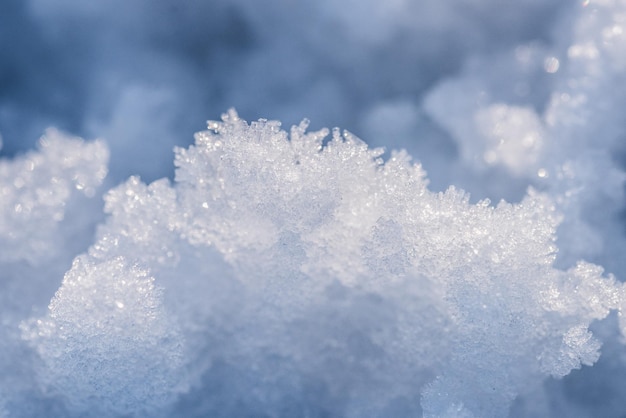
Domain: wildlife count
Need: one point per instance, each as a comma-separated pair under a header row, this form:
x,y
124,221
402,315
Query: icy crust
x,y
294,275
36,190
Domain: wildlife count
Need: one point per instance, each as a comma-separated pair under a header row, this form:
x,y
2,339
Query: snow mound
x,y
283,273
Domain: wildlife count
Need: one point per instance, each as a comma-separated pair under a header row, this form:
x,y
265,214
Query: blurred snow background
x,y
145,75
489,96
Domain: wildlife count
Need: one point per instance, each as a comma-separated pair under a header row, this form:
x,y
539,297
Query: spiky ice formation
x,y
300,276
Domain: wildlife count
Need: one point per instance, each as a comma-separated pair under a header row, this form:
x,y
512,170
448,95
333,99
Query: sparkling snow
x,y
465,261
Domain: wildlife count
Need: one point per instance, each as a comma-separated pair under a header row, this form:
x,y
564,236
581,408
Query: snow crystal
x,y
106,345
44,220
303,272
38,189
279,263
552,141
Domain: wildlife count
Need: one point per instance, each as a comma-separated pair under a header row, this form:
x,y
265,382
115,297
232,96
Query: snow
x,y
38,190
304,271
288,259
106,320
570,146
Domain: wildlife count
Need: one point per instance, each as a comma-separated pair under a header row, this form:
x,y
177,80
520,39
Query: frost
x,y
287,263
564,143
106,344
36,190
304,272
45,218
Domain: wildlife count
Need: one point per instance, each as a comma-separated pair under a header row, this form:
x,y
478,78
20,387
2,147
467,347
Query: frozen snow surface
x,y
302,272
285,275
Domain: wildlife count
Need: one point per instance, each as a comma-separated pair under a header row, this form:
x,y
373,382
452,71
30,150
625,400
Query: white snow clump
x,y
286,275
